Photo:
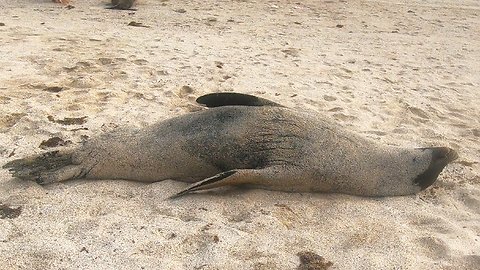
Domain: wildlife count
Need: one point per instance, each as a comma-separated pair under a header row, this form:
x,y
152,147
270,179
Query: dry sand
x,y
405,73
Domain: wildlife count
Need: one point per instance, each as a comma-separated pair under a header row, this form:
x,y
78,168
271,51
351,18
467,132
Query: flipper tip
x,y
178,195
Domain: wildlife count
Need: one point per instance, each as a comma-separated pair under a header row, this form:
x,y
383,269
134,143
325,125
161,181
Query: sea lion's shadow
x,y
261,194
226,192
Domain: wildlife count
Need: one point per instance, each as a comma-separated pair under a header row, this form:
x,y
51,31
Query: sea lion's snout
x,y
440,157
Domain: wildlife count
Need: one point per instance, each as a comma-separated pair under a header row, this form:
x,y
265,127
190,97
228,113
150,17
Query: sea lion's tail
x,y
41,168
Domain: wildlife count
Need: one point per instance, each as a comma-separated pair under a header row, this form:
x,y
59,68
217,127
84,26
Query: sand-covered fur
x,y
249,141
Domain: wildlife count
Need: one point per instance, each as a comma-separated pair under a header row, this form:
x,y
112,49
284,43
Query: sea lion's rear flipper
x,y
233,99
228,178
46,168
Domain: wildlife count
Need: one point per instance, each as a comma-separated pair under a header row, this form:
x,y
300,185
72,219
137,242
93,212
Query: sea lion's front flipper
x,y
120,8
233,99
228,178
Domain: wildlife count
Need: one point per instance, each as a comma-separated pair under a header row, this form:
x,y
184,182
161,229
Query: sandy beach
x,y
405,73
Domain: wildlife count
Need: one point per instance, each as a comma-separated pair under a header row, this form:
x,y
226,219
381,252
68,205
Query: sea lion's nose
x,y
440,157
443,154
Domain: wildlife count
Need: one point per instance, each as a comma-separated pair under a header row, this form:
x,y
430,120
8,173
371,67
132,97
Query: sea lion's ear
x,y
233,99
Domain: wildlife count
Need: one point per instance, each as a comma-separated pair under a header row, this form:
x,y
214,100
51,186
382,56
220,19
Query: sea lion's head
x,y
408,171
439,158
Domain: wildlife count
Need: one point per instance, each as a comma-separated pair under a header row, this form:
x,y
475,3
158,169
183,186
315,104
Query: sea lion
x,y
122,4
245,140
61,1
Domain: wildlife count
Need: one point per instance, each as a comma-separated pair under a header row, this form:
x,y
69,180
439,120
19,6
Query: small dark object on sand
x,y
122,4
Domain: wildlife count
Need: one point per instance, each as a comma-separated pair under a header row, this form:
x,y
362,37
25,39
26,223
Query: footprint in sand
x,y
9,120
431,225
185,91
140,62
329,98
471,202
433,247
418,112
84,81
343,117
